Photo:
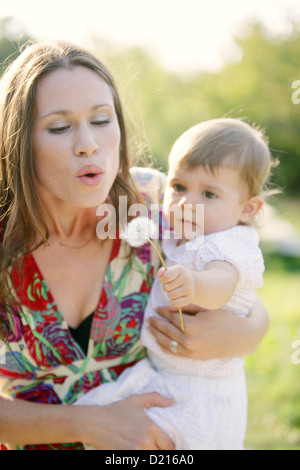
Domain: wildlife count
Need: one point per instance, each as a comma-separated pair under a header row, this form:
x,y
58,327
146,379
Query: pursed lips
x,y
90,175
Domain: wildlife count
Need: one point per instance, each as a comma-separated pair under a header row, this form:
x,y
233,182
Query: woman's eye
x,y
209,195
62,129
178,188
100,122
58,130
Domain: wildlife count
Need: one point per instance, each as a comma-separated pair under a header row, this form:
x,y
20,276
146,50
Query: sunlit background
x,y
178,62
183,34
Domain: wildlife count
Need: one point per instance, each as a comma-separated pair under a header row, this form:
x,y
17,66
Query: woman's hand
x,y
210,334
120,426
124,425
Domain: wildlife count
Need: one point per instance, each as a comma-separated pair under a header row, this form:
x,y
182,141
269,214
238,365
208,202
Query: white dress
x,y
210,397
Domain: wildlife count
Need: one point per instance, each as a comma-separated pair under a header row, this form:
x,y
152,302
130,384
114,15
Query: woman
x,y
73,303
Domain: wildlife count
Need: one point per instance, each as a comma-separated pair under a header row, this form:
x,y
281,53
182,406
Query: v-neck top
x,y
81,334
45,361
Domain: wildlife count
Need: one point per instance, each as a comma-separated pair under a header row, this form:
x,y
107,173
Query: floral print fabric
x,y
43,363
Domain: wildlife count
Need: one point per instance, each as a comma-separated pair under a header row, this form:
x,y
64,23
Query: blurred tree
x,y
257,88
260,88
161,105
11,39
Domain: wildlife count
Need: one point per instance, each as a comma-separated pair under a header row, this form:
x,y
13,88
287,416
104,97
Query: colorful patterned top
x,y
43,363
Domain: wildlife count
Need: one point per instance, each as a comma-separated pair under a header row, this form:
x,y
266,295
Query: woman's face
x,y
76,138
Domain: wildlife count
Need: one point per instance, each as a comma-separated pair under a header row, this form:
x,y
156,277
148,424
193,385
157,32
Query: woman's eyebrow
x,y
62,112
54,113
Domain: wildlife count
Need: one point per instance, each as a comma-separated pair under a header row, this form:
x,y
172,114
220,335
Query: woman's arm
x,y
120,426
210,334
23,422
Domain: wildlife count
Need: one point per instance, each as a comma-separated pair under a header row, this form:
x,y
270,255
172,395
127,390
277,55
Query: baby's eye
x,y
209,195
178,188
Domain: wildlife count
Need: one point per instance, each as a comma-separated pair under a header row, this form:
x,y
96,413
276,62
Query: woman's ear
x,y
251,208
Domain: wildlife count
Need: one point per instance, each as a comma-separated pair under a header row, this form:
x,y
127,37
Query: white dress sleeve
x,y
238,246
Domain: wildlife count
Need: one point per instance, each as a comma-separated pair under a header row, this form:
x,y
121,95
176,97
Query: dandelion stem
x,y
160,257
164,265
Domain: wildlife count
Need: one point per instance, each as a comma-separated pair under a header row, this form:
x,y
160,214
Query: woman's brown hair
x,y
21,219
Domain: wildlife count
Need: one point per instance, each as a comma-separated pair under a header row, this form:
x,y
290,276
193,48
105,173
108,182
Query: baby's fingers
x,y
172,286
168,275
181,302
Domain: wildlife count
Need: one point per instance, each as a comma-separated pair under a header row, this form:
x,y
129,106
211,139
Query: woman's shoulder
x,y
150,183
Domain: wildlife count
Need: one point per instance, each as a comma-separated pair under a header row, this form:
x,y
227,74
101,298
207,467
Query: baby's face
x,y
222,194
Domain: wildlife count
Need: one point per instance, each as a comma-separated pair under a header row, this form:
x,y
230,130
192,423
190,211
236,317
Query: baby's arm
x,y
210,289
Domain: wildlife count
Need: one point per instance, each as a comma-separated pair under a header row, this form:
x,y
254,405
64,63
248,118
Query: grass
x,y
273,379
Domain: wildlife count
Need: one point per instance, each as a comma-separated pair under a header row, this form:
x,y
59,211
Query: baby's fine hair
x,y
227,142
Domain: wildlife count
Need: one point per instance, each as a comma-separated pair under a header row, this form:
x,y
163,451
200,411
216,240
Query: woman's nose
x,y
85,144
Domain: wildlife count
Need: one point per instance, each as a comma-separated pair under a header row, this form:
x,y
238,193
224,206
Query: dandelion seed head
x,y
139,230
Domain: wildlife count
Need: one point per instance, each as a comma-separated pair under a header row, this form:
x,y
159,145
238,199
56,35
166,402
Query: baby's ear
x,y
251,208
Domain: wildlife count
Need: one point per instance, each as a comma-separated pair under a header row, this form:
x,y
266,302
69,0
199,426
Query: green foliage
x,y
258,88
261,86
272,377
10,42
161,105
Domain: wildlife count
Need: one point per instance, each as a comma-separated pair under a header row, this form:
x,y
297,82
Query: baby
x,y
223,166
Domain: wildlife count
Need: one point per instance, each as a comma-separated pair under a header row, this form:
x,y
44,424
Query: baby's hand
x,y
178,283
